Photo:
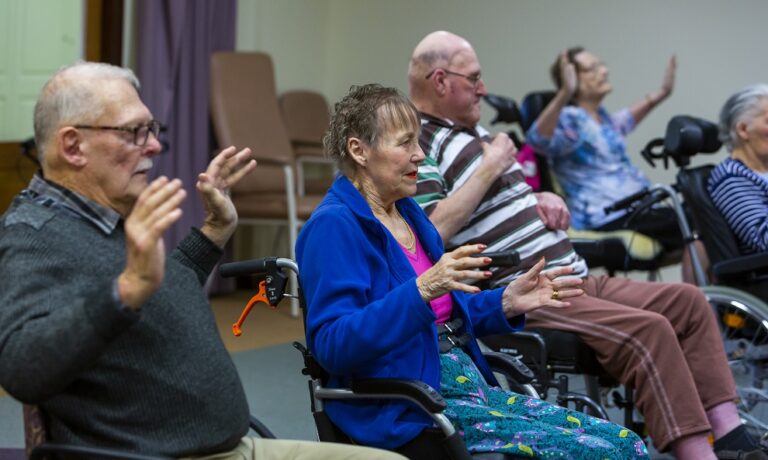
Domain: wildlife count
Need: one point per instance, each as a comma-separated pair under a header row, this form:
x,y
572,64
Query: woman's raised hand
x,y
568,76
450,272
536,289
668,83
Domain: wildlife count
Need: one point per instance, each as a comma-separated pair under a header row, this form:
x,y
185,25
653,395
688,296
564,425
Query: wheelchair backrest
x,y
712,227
533,104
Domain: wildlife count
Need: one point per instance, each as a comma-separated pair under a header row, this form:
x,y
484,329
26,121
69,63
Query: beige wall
x,y
327,45
294,32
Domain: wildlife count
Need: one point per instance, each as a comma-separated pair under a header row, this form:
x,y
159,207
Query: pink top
x,y
442,305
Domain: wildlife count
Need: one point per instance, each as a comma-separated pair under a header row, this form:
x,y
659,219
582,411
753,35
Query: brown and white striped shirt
x,y
506,217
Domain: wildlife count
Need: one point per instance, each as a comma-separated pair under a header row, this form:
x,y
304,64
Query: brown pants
x,y
660,339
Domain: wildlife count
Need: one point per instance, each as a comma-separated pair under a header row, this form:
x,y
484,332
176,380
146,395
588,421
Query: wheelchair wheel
x,y
743,320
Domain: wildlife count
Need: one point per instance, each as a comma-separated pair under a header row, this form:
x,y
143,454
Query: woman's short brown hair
x,y
366,112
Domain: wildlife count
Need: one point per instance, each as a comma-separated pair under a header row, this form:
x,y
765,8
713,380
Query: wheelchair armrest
x,y
414,389
47,448
586,248
510,365
739,266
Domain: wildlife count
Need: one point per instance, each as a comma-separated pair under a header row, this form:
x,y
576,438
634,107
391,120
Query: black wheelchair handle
x,y
260,266
255,266
627,201
504,259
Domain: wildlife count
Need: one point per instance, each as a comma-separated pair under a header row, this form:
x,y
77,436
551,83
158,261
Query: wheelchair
x,y
439,442
736,286
736,299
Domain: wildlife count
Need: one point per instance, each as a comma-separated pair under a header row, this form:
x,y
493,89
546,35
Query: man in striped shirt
x,y
661,339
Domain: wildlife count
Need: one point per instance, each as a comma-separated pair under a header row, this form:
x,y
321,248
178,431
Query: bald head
x,y
74,95
444,78
437,49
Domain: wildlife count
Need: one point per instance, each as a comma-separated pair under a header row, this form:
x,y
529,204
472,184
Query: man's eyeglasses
x,y
474,79
592,68
140,132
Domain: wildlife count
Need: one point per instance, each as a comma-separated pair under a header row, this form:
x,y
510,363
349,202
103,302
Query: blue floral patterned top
x,y
590,162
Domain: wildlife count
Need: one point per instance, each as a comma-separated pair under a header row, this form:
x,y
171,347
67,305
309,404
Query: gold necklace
x,y
412,240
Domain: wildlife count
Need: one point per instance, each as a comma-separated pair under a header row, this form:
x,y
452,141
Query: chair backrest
x,y
714,231
533,104
306,116
245,113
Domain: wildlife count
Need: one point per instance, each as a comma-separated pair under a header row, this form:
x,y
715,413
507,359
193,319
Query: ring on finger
x,y
555,295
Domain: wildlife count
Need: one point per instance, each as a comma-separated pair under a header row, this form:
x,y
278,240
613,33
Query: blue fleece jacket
x,y
366,319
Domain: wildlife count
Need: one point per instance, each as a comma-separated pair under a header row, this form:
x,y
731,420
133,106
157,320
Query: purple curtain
x,y
175,39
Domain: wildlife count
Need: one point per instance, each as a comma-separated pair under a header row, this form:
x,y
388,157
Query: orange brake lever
x,y
260,296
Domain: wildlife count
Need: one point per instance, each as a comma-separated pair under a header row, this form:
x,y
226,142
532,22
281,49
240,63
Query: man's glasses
x,y
592,68
474,79
140,132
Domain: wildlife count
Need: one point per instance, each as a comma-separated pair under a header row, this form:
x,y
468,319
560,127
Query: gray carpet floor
x,y
277,395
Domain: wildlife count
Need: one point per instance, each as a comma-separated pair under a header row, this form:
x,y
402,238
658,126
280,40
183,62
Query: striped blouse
x,y
741,195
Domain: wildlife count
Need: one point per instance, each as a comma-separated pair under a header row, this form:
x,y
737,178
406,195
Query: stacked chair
x,y
245,113
306,116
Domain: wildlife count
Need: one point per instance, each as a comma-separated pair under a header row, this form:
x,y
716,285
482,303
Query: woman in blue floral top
x,y
585,146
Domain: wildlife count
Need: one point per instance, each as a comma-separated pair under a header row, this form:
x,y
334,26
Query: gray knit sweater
x,y
159,381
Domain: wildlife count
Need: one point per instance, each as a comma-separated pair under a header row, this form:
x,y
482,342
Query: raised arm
x,y
547,120
214,185
452,212
62,305
640,109
155,210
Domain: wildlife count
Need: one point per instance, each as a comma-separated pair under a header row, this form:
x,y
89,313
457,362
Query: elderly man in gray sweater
x,y
114,340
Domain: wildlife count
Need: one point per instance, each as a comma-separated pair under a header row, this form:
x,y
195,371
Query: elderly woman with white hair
x,y
739,184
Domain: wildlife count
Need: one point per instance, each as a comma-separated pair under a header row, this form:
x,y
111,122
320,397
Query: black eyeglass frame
x,y
152,126
473,79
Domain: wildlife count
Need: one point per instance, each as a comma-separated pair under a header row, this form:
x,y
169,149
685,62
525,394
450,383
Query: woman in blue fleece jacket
x,y
377,282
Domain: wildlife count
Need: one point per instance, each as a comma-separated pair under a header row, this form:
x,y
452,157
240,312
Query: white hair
x,y
743,106
70,96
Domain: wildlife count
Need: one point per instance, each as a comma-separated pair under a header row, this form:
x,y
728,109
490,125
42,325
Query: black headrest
x,y
506,109
533,104
686,136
